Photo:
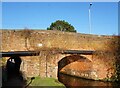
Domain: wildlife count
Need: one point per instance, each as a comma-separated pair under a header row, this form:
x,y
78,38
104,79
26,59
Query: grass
x,y
45,82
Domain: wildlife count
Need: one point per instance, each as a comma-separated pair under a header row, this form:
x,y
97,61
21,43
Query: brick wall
x,y
104,60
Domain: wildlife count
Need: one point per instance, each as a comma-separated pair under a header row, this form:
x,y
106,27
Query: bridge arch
x,y
75,65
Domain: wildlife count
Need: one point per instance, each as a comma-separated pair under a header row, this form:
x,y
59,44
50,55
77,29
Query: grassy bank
x,y
45,82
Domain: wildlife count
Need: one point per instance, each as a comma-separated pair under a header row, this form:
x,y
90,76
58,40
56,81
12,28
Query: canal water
x,y
73,82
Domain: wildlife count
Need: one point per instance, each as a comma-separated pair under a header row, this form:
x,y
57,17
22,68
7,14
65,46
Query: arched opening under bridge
x,y
75,65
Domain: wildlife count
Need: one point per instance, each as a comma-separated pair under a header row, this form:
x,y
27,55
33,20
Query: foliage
x,y
61,25
2,61
26,33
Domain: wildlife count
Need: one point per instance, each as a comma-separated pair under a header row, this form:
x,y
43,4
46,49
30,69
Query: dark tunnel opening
x,y
13,66
14,77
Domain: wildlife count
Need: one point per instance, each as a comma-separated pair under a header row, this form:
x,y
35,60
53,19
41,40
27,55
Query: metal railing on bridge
x,y
36,53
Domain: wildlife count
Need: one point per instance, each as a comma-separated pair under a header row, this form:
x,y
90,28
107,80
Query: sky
x,y
39,15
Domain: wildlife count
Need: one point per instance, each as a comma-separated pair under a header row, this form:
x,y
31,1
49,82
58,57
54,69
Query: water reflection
x,y
71,82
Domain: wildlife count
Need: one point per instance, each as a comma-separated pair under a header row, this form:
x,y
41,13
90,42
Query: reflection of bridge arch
x,y
73,64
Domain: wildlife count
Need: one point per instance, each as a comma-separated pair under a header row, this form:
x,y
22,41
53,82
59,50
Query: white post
x,y
90,18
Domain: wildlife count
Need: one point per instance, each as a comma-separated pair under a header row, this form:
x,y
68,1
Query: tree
x,y
61,25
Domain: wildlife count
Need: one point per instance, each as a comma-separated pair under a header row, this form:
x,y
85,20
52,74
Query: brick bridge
x,y
56,53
